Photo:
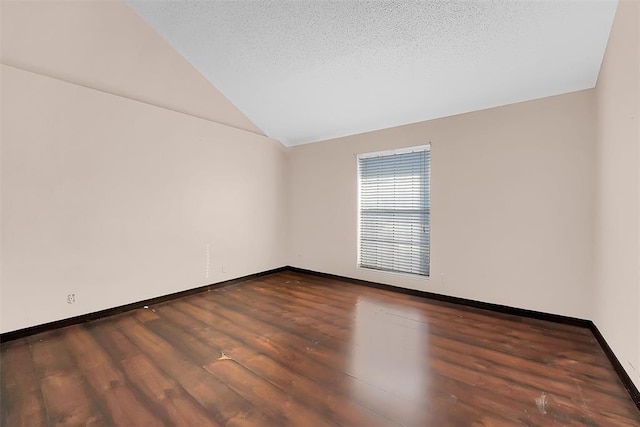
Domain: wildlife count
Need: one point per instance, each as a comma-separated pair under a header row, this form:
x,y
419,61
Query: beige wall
x,y
114,199
512,204
617,284
118,201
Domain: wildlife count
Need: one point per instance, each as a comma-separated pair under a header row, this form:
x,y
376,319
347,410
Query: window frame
x,y
403,150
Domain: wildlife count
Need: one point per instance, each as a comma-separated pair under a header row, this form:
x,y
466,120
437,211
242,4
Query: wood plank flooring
x,y
291,349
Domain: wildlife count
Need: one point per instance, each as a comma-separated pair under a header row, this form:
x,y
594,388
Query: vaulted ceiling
x,y
305,71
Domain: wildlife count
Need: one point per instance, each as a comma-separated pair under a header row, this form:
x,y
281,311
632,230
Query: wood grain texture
x,y
292,349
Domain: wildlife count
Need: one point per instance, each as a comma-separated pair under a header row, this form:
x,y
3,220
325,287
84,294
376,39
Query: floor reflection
x,y
389,357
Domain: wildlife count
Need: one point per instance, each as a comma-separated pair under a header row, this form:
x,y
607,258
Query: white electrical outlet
x,y
71,298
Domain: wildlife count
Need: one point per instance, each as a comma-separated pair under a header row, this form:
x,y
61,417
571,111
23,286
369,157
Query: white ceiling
x,y
305,71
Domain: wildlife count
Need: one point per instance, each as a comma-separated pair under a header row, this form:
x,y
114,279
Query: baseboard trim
x,y
32,330
617,366
503,309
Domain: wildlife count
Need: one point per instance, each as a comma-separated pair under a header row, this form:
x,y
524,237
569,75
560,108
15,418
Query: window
x,y
394,210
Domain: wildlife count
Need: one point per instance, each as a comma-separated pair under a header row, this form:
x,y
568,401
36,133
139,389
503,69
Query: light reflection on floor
x,y
389,357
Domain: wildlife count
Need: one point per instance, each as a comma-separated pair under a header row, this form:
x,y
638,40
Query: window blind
x,y
394,211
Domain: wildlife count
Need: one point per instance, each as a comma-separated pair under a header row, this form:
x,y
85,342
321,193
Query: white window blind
x,y
394,192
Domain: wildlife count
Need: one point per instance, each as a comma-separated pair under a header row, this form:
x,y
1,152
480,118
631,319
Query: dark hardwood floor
x,y
291,349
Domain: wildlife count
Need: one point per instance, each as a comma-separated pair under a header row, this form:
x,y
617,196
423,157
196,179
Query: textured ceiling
x,y
305,71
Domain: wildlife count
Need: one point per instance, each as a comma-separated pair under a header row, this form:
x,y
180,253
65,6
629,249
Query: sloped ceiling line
x,y
307,71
